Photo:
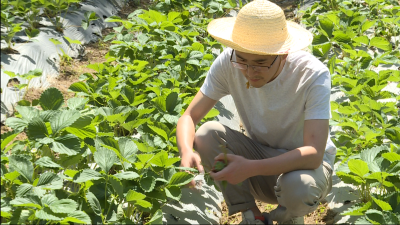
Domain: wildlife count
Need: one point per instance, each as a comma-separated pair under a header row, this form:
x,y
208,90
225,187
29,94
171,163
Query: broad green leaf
x,y
73,41
83,132
23,189
7,138
127,148
212,113
29,201
384,205
393,135
68,144
87,174
128,94
358,167
148,183
143,203
326,26
46,161
78,217
48,199
134,196
50,181
171,102
77,103
116,185
129,175
27,112
174,192
357,211
130,126
37,128
22,165
159,131
80,87
320,39
180,179
391,156
63,119
63,206
17,124
367,25
349,179
12,176
51,99
105,158
340,36
361,39
94,203
381,43
157,217
196,46
47,214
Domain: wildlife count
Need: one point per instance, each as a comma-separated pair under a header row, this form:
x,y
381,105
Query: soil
x,y
322,215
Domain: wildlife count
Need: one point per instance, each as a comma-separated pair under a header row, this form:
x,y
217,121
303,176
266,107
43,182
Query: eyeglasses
x,y
243,66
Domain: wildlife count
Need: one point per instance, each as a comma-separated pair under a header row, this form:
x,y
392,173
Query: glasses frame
x,y
253,67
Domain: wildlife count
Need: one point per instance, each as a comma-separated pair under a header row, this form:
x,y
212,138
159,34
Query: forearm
x,y
185,131
306,157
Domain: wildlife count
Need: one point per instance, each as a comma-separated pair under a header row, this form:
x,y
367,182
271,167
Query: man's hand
x,y
192,159
237,170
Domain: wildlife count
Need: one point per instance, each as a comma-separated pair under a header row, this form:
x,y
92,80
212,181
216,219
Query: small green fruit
x,y
219,165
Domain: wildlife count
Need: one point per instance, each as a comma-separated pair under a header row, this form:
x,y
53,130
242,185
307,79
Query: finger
x,y
217,176
222,156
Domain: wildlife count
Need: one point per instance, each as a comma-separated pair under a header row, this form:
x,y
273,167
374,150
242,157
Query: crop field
x,y
104,149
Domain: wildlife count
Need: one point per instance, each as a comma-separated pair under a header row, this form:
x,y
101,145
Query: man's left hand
x,y
237,170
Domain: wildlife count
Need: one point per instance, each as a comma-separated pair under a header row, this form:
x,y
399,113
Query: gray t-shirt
x,y
274,114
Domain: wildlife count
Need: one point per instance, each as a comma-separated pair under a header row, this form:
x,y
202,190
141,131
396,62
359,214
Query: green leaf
x,y
143,203
63,206
381,43
29,201
23,189
384,205
196,46
349,179
320,39
17,124
68,144
55,41
391,156
50,181
128,94
87,174
37,129
117,185
129,175
367,25
105,158
22,165
46,161
148,183
171,102
47,214
80,87
63,119
134,196
393,135
157,217
51,99
361,39
79,217
94,203
77,103
358,167
7,138
180,179
159,131
83,132
342,37
174,192
12,175
212,113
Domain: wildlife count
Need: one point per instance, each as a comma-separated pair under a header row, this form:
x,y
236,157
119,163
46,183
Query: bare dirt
x,y
322,215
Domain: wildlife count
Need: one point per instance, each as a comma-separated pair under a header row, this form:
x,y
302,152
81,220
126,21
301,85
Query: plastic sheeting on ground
x,y
41,53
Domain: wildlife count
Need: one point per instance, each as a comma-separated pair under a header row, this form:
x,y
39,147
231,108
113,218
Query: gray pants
x,y
298,192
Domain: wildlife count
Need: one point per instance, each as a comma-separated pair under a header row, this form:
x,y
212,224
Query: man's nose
x,y
250,71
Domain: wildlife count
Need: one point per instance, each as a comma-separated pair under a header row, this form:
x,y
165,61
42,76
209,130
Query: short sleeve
x,y
318,98
215,85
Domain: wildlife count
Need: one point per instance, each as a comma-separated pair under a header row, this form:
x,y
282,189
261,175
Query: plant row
x,y
356,40
109,154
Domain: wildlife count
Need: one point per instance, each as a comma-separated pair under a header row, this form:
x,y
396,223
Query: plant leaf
x,y
381,43
22,165
157,217
129,175
37,129
148,183
174,192
105,158
46,161
94,203
180,179
358,167
86,175
79,217
63,119
50,181
63,206
51,99
134,196
68,144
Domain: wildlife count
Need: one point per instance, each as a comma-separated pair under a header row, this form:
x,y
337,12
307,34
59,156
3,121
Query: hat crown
x,y
260,23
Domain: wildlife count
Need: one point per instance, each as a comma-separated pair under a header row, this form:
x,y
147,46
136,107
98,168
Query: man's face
x,y
258,79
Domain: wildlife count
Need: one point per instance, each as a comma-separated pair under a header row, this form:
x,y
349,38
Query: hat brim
x,y
298,38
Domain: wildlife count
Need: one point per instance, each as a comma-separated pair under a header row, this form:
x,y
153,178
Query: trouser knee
x,y
206,142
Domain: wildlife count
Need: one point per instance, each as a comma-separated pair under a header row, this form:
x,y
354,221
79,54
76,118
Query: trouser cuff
x,y
240,207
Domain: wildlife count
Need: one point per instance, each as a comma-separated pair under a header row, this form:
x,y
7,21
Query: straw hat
x,y
260,28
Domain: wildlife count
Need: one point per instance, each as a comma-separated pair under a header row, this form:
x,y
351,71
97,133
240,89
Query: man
x,y
282,96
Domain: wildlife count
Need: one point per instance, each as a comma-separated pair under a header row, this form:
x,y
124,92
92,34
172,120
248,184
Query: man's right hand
x,y
192,160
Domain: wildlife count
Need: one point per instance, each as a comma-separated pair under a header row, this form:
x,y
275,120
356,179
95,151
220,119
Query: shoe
x,y
248,218
295,220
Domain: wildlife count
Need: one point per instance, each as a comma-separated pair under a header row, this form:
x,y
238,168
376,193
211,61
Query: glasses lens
x,y
260,68
239,66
